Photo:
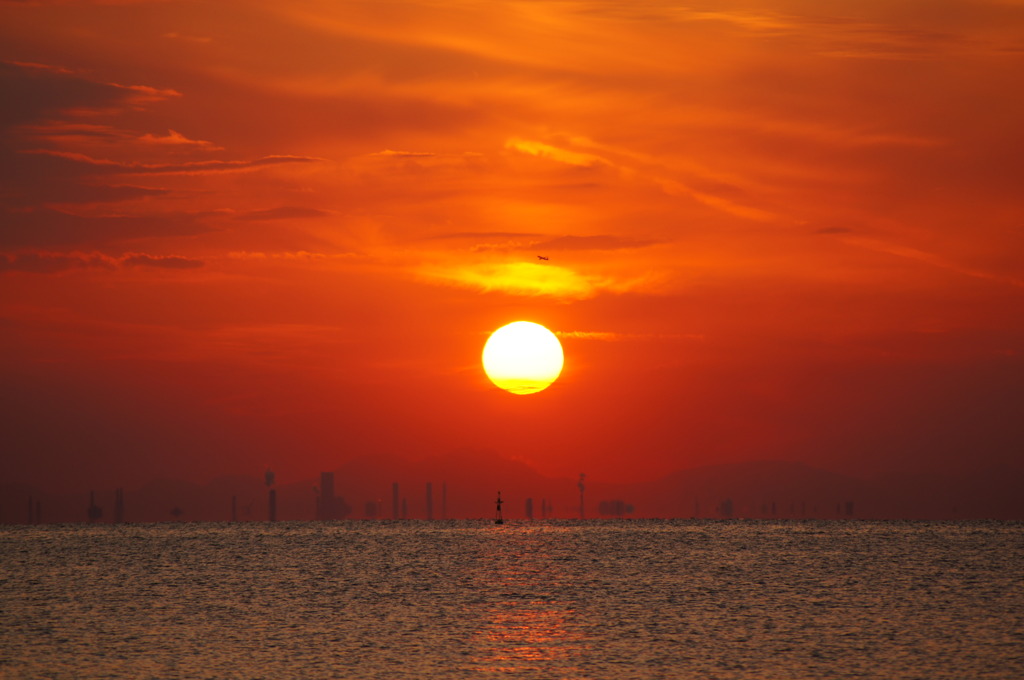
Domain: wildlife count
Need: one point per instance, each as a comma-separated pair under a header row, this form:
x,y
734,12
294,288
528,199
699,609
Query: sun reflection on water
x,y
525,626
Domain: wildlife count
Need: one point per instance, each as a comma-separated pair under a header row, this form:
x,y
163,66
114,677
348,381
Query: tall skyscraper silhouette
x,y
329,505
268,478
94,512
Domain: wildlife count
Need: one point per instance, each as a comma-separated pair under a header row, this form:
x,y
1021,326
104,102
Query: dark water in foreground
x,y
627,599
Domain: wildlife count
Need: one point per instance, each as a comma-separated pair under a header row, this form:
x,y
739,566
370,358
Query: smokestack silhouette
x,y
581,487
268,477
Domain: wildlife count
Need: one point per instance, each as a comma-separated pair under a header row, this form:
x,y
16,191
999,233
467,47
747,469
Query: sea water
x,y
552,599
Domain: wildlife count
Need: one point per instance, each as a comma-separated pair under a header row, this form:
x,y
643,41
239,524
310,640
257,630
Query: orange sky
x,y
251,233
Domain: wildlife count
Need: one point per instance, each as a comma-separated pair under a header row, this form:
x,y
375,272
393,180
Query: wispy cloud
x,y
484,235
287,212
388,153
290,255
174,138
614,336
593,242
188,168
48,228
561,155
529,279
932,259
713,194
52,263
161,261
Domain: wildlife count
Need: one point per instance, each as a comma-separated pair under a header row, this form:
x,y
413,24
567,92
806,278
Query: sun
x,y
523,357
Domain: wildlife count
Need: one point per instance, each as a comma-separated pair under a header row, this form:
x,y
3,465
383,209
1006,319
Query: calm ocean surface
x,y
553,599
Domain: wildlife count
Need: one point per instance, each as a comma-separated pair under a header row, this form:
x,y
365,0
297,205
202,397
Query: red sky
x,y
258,233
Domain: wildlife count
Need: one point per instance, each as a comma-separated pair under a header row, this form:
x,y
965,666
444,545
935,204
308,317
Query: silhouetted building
x,y
581,488
725,508
529,508
35,511
268,478
94,512
614,508
330,506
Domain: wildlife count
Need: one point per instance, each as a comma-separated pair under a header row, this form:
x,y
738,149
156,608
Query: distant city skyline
x,y
757,490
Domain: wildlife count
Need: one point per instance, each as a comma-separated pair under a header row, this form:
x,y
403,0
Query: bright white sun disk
x,y
523,357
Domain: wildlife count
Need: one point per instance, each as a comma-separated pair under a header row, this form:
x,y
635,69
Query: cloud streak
x,y
53,263
933,260
174,138
106,166
287,212
47,228
613,336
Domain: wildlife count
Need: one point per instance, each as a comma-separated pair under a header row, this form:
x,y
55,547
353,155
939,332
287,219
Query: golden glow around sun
x,y
523,357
